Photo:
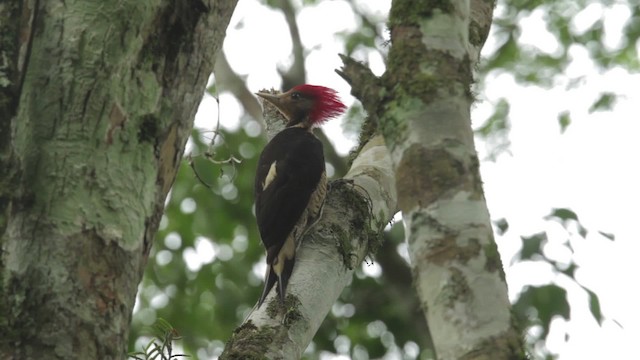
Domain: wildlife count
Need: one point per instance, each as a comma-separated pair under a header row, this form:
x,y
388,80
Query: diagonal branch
x,y
296,73
228,80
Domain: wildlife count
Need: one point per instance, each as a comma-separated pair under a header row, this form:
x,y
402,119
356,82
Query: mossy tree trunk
x,y
422,107
457,269
97,100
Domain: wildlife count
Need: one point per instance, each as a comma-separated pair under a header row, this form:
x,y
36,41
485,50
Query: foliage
x,y
538,306
206,296
165,334
198,276
568,28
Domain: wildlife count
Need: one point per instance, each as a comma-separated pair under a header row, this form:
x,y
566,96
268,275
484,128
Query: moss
x,y
473,182
251,342
456,289
412,12
507,345
248,342
273,309
476,33
288,310
493,262
393,124
425,174
469,251
428,74
415,77
344,244
444,250
360,212
292,313
368,129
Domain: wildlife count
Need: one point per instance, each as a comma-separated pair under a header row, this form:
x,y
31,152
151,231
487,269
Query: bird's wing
x,y
299,164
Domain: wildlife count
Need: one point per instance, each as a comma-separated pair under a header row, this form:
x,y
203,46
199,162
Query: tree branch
x,y
366,87
295,75
228,80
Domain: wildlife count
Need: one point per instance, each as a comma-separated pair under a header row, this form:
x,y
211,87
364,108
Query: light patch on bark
x,y
106,104
448,31
371,170
442,119
466,304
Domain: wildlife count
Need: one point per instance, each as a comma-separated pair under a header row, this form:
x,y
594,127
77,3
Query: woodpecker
x,y
291,183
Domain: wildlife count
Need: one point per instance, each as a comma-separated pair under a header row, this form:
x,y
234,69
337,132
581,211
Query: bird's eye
x,y
295,96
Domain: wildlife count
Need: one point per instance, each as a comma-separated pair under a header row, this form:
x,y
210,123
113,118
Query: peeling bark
x,y
98,100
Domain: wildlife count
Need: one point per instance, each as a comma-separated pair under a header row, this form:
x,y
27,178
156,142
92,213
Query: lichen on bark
x,y
97,132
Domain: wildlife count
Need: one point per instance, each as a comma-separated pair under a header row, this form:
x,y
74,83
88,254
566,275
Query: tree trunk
x,y
425,119
422,107
97,100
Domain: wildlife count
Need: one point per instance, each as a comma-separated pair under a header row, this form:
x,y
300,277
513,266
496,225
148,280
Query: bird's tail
x,y
270,280
283,279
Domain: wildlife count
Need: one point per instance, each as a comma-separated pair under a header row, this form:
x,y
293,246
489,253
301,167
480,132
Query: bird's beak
x,y
279,101
274,99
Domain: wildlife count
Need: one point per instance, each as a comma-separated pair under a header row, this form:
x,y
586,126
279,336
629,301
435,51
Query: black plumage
x,y
291,182
283,192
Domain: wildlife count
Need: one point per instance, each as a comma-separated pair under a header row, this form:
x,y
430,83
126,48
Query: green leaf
x,y
532,245
609,236
547,301
564,120
212,90
605,102
498,121
507,55
582,231
562,214
570,270
594,306
501,226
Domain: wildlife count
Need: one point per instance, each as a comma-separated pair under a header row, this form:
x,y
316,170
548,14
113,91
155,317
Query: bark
x,y
356,210
422,104
97,101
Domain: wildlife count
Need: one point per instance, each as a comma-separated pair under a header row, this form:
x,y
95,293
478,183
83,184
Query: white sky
x,y
588,169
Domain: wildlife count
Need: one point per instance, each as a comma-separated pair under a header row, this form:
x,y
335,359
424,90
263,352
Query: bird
x,y
291,183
